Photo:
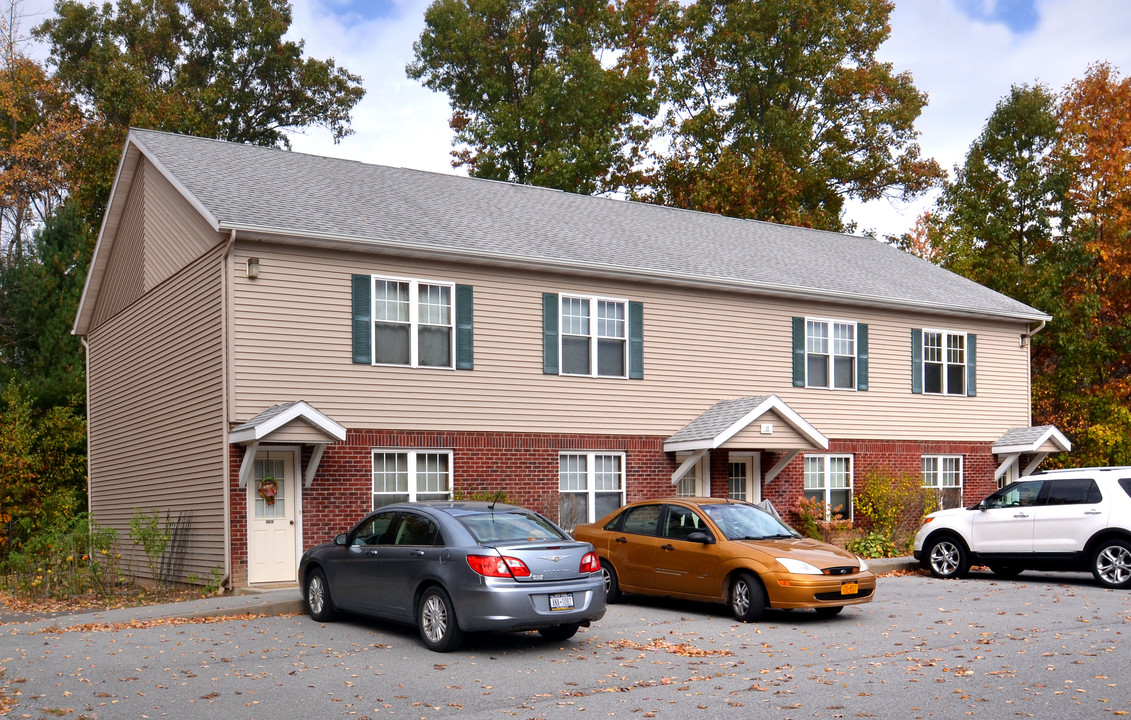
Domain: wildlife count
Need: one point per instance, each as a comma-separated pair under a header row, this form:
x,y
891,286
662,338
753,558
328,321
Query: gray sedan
x,y
456,567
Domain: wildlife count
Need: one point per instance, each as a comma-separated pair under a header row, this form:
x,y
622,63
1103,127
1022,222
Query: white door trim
x,y
296,500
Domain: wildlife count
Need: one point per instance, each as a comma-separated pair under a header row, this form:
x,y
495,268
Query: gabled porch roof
x,y
1037,441
296,422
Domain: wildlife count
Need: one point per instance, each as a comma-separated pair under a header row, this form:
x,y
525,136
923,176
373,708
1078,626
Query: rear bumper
x,y
504,606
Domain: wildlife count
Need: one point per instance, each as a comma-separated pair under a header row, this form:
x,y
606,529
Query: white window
x,y
591,485
944,362
828,479
404,475
412,323
594,336
737,484
943,473
830,354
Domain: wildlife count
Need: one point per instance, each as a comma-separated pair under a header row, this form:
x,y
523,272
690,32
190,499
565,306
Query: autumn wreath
x,y
268,489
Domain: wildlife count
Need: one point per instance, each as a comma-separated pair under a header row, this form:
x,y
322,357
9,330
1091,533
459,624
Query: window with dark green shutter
x,y
828,353
592,336
362,319
943,363
415,323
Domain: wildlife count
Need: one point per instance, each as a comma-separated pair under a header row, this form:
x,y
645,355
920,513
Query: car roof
x,y
456,507
1084,471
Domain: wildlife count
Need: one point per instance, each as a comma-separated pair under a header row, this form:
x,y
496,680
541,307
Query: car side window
x,y
415,530
1073,491
1019,494
681,522
1125,483
374,530
642,520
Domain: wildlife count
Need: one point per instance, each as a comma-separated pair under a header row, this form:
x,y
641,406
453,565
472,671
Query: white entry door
x,y
272,502
746,477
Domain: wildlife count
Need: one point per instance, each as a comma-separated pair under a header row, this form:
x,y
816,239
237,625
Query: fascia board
x,y
1052,433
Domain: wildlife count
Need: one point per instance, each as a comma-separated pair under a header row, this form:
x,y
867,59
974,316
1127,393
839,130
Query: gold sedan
x,y
717,550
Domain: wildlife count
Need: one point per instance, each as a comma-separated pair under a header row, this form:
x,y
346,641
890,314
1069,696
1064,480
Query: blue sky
x,y
965,54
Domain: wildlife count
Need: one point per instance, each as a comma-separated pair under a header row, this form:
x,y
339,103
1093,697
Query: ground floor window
x,y
828,480
943,474
591,485
404,475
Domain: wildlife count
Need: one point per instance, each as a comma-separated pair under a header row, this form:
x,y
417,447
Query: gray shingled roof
x,y
266,416
266,190
1018,436
717,419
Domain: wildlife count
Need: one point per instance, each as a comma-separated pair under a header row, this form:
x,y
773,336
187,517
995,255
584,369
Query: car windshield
x,y
746,522
491,528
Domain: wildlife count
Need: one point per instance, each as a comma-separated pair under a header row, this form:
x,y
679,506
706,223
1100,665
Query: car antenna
x,y
497,496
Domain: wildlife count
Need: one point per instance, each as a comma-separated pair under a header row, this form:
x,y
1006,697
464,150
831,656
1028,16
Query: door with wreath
x,y
272,501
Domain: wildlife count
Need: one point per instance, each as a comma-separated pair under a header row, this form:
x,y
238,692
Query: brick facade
x,y
526,467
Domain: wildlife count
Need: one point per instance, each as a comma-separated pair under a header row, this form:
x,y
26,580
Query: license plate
x,y
561,601
849,588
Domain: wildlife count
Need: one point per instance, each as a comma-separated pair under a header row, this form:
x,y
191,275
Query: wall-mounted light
x,y
1023,340
253,267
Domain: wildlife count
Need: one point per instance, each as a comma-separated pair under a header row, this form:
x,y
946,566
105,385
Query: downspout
x,y
86,382
226,288
1029,365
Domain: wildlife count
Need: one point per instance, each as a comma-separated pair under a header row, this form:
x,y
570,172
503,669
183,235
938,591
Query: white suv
x,y
1058,520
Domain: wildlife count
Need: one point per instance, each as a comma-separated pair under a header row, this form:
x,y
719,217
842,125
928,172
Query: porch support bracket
x,y
776,469
247,465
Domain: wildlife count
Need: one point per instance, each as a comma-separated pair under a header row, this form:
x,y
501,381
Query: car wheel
x,y
436,621
317,596
1006,571
946,558
558,633
828,612
612,587
747,600
1111,564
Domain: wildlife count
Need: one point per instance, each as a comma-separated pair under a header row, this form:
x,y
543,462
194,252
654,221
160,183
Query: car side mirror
x,y
700,537
983,505
340,539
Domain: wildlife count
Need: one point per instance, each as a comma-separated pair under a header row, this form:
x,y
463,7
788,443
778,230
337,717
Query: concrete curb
x,y
881,566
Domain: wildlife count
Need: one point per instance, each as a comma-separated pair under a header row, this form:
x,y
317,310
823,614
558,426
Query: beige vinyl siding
x,y
159,234
298,431
292,341
783,437
156,424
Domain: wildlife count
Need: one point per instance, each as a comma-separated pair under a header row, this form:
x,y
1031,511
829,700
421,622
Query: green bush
x,y
890,506
872,545
66,558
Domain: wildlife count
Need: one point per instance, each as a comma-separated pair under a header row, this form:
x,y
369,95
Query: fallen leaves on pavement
x,y
682,649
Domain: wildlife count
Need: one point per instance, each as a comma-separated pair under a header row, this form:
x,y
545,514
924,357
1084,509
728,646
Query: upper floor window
x,y
415,323
830,354
943,363
592,336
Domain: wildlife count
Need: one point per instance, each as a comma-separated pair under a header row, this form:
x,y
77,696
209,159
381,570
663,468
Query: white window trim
x,y
413,483
593,336
941,474
855,356
753,463
590,470
413,320
699,473
825,481
945,376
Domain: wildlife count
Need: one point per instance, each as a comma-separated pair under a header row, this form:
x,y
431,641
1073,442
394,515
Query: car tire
x,y
612,586
947,558
1111,563
558,633
747,599
316,595
1006,571
828,612
436,621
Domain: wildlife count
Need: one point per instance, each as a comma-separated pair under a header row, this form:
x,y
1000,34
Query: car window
x,y
642,520
681,522
1125,483
415,530
1072,491
1019,494
738,521
374,530
489,528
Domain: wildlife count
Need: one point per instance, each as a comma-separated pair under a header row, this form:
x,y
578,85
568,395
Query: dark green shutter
x,y
465,328
550,309
917,361
636,340
861,356
362,320
798,352
971,364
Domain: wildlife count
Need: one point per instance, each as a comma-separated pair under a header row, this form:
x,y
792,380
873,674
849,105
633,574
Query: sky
x,y
965,54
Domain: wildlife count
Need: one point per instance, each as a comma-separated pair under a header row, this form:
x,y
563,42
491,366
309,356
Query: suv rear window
x,y
1073,491
1125,483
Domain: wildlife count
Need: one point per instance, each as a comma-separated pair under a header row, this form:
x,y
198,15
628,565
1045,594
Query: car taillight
x,y
498,566
590,563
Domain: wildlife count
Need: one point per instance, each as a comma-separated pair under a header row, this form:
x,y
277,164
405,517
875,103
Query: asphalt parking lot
x,y
1044,646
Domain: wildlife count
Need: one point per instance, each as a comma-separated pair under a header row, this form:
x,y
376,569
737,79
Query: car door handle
x,y
372,552
1020,515
622,539
1093,512
418,553
669,546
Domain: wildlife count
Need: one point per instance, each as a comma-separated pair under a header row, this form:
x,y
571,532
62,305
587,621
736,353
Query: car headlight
x,y
799,567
